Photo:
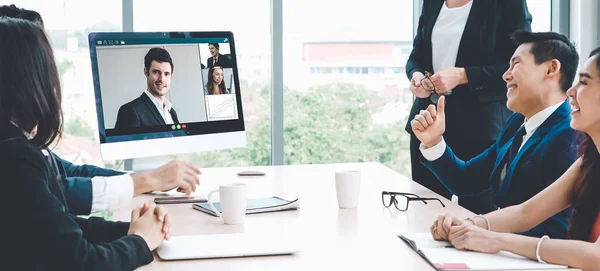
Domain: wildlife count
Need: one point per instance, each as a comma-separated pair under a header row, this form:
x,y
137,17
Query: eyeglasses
x,y
401,200
428,85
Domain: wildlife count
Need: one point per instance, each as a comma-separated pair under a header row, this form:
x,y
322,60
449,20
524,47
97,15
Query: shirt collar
x,y
539,118
27,135
157,103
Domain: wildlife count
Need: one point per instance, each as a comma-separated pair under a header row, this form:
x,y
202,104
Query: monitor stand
x,y
145,163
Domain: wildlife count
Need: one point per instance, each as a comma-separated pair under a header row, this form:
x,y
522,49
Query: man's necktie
x,y
173,115
516,144
512,153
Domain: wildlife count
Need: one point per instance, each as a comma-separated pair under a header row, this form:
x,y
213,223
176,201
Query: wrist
x,y
140,181
151,247
463,76
433,142
503,240
469,221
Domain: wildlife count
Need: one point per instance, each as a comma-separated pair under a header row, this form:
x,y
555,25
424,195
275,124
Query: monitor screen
x,y
164,93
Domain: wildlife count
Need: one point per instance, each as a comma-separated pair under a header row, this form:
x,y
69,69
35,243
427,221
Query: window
x,y
376,70
399,70
352,70
68,22
252,40
358,116
541,13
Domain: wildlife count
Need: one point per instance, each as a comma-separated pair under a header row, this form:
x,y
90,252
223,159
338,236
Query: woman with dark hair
x,y
40,232
216,84
13,11
579,187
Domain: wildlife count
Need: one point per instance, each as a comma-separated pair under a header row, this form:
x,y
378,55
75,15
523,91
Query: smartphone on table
x,y
178,199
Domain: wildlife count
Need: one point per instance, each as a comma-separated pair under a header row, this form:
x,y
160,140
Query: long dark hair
x,y
13,11
209,85
584,197
29,82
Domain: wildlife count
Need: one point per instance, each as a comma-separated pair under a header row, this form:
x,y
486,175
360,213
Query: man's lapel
x,y
153,109
556,117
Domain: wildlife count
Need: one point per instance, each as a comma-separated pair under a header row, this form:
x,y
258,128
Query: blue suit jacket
x,y
544,157
77,182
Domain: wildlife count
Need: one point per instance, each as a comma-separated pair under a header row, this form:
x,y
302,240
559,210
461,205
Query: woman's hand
x,y
150,222
446,79
416,87
471,237
440,230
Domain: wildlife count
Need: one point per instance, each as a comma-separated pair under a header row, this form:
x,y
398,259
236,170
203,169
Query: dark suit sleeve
x,y
78,184
127,118
98,230
48,236
463,177
86,170
227,62
78,194
515,16
415,59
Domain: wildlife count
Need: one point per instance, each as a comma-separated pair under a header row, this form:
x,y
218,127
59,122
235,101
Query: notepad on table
x,y
253,206
442,256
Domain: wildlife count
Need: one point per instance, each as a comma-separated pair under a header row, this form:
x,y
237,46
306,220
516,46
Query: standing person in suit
x,y
465,44
215,84
90,189
578,187
536,146
152,108
217,59
41,234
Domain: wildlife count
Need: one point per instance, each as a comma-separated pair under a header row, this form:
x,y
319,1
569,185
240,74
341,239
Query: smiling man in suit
x,y
217,59
537,144
152,108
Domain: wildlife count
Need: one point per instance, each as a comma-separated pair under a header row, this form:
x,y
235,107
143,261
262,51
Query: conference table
x,y
331,238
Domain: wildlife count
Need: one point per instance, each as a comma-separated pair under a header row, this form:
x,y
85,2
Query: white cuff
x,y
111,193
435,152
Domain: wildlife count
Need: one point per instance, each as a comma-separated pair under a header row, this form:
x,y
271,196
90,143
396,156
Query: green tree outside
x,y
325,124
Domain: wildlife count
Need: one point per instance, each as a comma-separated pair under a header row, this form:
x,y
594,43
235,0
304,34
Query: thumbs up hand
x,y
429,125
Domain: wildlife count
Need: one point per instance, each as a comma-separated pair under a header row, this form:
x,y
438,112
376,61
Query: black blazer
x,y
224,61
485,49
40,233
141,112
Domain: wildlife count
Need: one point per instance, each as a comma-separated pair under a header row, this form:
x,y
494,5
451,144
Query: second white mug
x,y
347,188
233,202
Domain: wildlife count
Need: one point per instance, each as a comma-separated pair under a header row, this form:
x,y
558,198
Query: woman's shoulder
x,y
18,150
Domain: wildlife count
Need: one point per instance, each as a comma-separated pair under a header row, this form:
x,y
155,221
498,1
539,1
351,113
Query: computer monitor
x,y
155,96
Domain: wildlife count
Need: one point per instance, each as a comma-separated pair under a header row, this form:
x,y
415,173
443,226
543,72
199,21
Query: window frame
x,y
560,22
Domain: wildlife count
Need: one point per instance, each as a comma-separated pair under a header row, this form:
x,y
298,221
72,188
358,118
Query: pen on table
x,y
446,246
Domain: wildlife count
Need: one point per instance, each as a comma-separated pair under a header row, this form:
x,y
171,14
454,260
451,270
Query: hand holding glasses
x,y
401,200
428,85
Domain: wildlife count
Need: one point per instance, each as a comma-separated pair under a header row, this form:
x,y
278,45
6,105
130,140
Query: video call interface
x,y
157,88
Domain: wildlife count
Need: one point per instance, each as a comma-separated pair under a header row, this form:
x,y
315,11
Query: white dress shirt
x,y
164,110
531,125
111,193
446,35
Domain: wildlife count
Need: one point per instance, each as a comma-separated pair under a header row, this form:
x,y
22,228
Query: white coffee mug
x,y
233,202
347,187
